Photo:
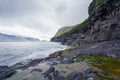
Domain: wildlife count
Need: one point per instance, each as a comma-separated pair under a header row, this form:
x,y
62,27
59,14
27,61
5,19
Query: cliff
x,y
63,30
103,24
96,57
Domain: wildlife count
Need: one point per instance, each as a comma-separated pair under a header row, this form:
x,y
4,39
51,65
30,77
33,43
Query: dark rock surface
x,y
74,76
106,48
104,73
104,22
103,49
22,65
49,71
36,70
6,72
57,76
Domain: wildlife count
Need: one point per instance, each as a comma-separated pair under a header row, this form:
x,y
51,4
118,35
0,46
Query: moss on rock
x,y
65,52
108,64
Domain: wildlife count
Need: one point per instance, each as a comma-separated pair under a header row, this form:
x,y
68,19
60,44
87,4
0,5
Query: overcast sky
x,y
40,18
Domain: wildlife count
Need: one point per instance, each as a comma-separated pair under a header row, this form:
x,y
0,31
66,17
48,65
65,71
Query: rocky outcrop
x,y
6,72
94,4
76,35
100,36
103,24
71,38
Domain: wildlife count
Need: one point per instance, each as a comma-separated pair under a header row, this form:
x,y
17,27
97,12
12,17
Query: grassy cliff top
x,y
70,29
93,5
62,31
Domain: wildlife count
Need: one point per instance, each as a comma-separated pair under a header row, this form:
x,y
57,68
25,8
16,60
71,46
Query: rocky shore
x,y
96,56
64,65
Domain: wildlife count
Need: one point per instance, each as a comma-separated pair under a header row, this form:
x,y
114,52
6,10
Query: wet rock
x,y
74,76
58,53
67,61
34,62
57,76
50,70
88,72
91,70
50,77
54,61
104,73
36,70
26,65
6,72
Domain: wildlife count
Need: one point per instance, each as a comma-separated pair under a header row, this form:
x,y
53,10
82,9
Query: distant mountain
x,y
15,38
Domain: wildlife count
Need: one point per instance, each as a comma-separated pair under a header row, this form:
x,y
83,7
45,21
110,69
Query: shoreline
x,y
97,56
22,52
61,62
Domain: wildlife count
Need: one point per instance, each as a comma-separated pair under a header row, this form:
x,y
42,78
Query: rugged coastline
x,y
96,55
79,63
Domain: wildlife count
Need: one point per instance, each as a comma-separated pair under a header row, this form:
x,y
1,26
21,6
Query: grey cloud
x,y
13,8
42,15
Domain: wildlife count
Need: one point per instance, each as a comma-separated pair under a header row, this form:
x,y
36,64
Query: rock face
x,y
103,24
6,72
73,36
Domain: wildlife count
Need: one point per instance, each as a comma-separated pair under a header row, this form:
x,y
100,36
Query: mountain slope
x,y
63,30
14,38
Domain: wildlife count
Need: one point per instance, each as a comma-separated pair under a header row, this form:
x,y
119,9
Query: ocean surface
x,y
13,52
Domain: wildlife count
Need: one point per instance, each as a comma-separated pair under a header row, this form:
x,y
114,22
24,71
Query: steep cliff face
x,y
103,24
75,35
94,4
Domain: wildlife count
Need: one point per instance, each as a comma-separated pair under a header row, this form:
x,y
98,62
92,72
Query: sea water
x,y
14,52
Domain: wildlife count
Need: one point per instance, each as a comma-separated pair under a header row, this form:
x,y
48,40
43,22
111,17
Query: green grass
x,y
71,29
108,64
105,77
79,26
65,52
59,33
